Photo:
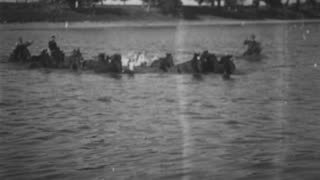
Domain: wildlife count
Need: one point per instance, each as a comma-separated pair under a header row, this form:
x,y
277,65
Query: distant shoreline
x,y
133,15
111,24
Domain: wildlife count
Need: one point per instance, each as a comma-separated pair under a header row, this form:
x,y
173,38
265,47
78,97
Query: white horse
x,y
137,59
140,59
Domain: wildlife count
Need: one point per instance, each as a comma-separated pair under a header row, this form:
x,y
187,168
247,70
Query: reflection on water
x,y
263,124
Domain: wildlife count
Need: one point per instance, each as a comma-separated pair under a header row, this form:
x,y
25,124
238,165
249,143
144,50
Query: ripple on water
x,y
105,99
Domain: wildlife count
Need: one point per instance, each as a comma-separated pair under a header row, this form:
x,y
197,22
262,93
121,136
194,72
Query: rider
x,y
21,52
253,46
53,45
55,52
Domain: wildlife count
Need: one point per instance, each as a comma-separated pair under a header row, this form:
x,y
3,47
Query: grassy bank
x,y
250,13
10,12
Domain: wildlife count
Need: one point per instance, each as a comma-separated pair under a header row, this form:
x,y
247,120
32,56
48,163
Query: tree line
x,y
174,6
256,3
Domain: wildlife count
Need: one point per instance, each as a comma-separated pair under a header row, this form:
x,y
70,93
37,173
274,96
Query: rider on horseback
x,y
254,47
21,52
52,44
56,54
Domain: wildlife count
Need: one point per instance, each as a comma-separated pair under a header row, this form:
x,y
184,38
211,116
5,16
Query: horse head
x,y
44,52
225,58
77,55
74,60
169,59
101,57
45,56
107,59
140,59
246,42
196,56
228,64
116,63
212,57
204,55
75,52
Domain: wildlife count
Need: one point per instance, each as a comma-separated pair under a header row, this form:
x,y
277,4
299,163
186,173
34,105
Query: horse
x,y
20,53
227,66
208,65
74,61
116,64
109,64
42,60
140,59
191,66
208,62
163,63
94,64
58,57
196,63
136,60
254,48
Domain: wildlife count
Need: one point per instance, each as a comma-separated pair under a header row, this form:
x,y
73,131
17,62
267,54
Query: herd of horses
x,y
201,63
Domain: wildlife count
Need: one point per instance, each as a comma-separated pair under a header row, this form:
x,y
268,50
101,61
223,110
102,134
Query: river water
x,y
262,124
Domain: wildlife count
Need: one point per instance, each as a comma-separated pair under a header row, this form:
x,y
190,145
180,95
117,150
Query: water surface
x,y
262,124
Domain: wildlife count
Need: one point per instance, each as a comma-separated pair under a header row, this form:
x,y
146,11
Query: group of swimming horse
x,y
201,63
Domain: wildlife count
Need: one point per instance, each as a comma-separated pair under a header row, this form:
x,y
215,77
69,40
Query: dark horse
x,y
58,57
42,60
116,64
105,64
196,63
206,64
228,66
21,53
254,48
191,66
46,61
209,62
163,63
74,62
